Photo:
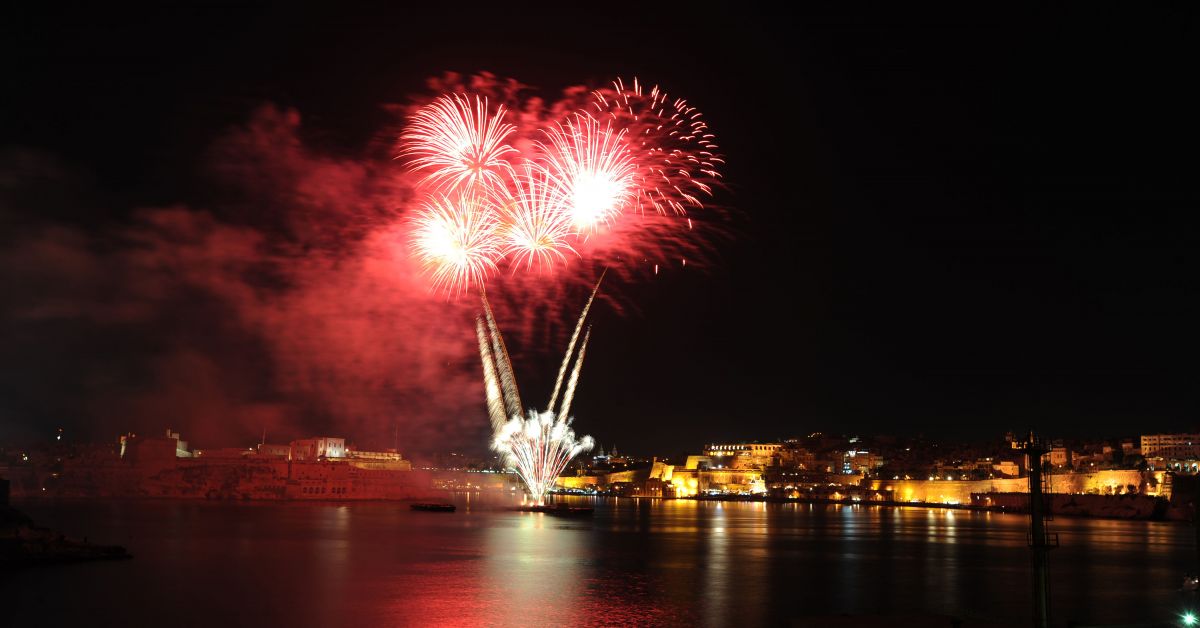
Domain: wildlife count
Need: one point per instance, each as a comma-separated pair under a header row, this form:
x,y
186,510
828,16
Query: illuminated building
x,y
1007,468
1189,466
860,461
1059,457
1171,446
317,448
744,455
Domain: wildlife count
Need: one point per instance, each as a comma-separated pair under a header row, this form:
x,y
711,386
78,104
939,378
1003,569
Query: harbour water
x,y
634,562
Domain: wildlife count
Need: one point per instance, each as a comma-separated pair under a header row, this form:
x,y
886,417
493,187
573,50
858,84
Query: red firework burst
x,y
676,155
456,240
593,166
460,145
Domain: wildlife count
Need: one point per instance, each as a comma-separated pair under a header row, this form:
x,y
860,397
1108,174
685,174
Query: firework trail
x,y
459,144
594,168
495,399
539,445
508,381
562,370
569,396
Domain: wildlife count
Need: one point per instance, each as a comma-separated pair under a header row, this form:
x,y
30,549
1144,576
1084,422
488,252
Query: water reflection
x,y
635,562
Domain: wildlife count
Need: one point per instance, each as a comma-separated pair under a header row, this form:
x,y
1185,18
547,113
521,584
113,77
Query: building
x,y
1007,468
224,453
390,459
318,448
1058,457
744,455
1171,446
273,451
860,461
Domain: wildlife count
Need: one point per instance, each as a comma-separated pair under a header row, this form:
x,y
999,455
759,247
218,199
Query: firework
x,y
593,166
510,394
539,445
574,337
675,152
609,178
459,144
491,380
456,241
538,228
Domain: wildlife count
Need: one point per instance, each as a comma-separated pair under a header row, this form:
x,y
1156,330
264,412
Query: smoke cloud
x,y
289,304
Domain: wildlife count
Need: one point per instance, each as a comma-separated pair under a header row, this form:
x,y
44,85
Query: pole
x,y
1196,526
1039,540
1037,530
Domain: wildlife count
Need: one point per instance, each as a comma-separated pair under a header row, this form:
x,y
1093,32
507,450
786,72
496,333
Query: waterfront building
x,y
1186,466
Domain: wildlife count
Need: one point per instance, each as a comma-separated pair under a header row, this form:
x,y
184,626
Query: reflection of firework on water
x,y
581,165
673,147
456,240
594,168
459,144
537,231
539,445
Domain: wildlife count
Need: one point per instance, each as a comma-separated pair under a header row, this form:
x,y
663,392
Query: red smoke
x,y
286,299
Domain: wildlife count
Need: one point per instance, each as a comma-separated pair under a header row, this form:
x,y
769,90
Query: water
x,y
635,562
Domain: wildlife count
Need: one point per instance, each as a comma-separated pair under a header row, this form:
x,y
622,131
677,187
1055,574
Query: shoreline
x,y
49,499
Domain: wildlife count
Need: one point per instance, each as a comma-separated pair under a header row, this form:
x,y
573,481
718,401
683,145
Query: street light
x,y
1189,619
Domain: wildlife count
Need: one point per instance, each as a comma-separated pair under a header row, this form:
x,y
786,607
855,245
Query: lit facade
x,y
744,455
317,448
1171,446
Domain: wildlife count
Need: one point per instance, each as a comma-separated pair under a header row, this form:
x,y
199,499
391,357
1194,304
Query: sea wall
x,y
1110,482
1129,506
240,479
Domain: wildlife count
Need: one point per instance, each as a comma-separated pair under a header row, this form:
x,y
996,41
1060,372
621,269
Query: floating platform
x,y
434,507
556,509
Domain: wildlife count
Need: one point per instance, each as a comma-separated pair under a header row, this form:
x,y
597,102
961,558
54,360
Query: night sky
x,y
945,224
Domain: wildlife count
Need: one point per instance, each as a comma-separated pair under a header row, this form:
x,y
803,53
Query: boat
x,y
431,507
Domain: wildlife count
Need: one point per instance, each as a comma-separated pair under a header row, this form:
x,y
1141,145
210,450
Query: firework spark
x,y
459,144
608,178
593,166
456,241
675,152
538,229
539,445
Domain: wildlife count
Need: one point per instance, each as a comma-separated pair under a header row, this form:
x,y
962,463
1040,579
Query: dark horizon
x,y
951,224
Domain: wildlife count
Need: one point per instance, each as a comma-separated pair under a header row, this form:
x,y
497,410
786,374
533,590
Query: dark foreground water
x,y
632,563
